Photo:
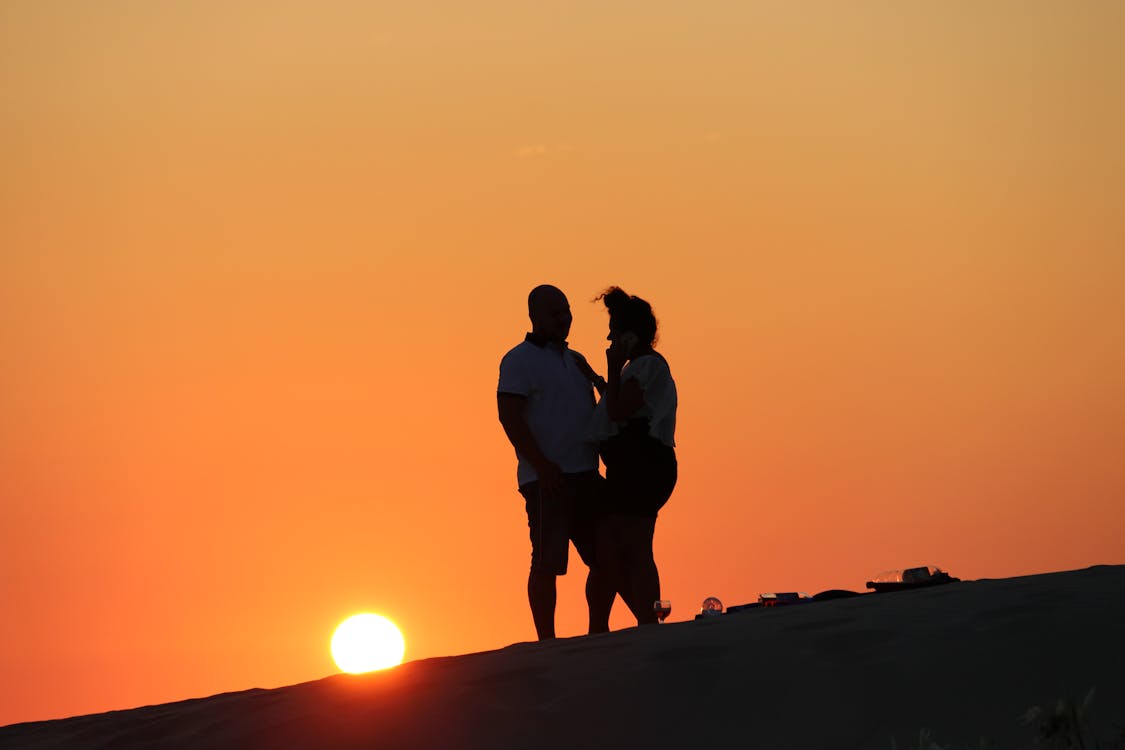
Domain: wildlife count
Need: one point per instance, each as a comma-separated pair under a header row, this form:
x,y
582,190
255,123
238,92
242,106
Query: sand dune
x,y
965,661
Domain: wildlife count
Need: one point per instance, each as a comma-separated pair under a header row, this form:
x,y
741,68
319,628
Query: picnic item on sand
x,y
909,578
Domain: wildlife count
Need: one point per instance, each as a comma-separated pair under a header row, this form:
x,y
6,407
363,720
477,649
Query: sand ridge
x,y
964,661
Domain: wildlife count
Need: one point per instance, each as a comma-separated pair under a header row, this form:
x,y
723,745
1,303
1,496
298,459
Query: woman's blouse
x,y
652,373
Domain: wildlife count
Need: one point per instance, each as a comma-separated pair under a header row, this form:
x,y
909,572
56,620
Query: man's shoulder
x,y
520,351
521,361
577,355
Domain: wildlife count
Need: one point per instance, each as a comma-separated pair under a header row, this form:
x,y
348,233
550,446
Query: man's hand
x,y
550,480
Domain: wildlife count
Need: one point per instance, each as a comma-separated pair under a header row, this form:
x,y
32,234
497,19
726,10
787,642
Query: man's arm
x,y
510,407
595,379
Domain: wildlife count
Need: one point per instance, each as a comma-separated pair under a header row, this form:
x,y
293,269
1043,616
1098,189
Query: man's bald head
x,y
543,295
549,311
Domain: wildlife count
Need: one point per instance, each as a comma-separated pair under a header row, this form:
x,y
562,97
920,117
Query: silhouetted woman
x,y
635,425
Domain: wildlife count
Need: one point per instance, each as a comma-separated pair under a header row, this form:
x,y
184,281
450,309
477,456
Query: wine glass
x,y
662,608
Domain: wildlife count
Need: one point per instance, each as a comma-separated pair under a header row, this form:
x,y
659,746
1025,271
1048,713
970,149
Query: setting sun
x,y
364,643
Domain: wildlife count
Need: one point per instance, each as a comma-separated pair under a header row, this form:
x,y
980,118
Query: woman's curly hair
x,y
629,313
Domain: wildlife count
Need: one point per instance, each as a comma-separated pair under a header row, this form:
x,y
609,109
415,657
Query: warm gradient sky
x,y
259,261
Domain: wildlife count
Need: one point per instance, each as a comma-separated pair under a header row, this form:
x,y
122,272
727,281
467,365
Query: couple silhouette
x,y
561,416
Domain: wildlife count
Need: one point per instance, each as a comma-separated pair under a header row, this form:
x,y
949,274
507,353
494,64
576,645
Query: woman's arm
x,y
623,399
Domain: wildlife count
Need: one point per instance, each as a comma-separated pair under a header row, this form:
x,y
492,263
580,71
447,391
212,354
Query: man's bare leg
x,y
541,595
599,598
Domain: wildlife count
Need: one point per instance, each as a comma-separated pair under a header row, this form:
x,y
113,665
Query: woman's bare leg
x,y
641,574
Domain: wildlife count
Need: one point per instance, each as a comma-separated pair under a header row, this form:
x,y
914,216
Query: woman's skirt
x,y
640,471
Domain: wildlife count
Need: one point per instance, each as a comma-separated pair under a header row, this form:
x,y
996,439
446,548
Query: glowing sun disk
x,y
366,642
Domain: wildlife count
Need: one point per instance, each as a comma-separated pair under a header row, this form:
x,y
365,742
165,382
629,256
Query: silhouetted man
x,y
545,400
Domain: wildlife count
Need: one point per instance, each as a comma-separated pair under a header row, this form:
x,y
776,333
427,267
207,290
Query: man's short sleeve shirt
x,y
559,403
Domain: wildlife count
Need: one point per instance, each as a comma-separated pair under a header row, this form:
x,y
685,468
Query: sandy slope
x,y
964,660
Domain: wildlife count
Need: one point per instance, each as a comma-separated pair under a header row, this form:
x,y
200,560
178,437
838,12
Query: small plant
x,y
1062,726
925,742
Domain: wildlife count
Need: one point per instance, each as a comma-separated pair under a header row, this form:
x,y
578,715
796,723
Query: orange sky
x,y
259,261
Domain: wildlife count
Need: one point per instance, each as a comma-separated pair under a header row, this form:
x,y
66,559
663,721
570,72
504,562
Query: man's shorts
x,y
571,516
